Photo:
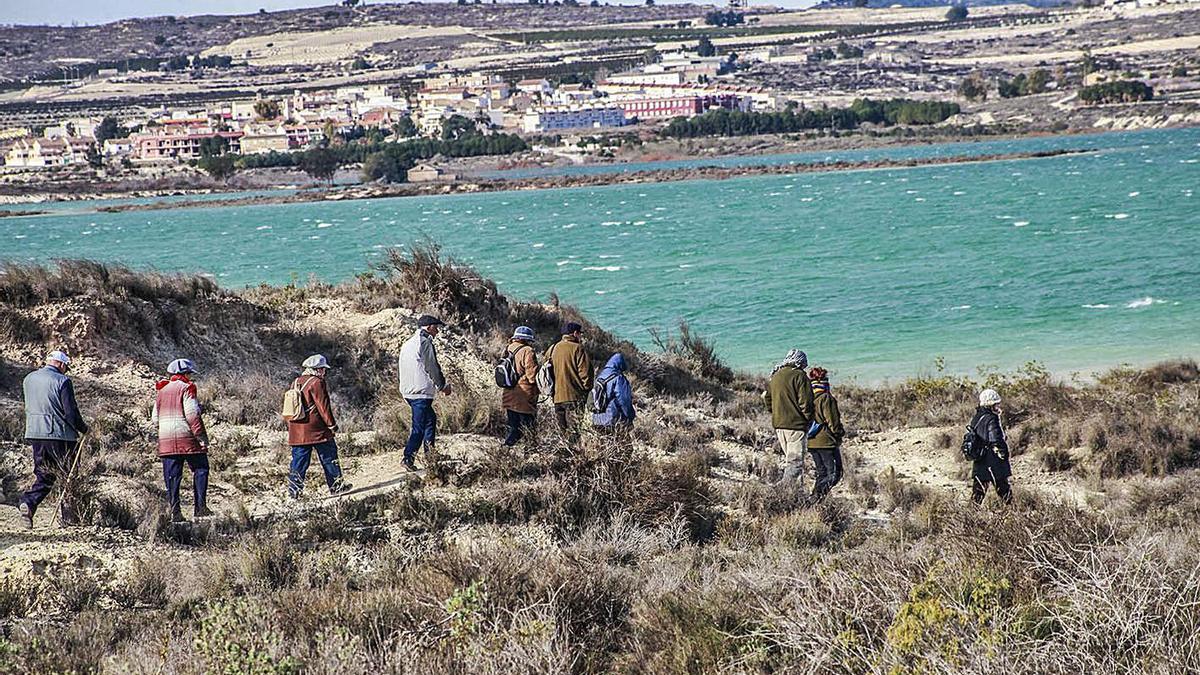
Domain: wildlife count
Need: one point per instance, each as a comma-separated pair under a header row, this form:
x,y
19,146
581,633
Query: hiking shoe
x,y
203,512
177,517
341,488
410,465
26,514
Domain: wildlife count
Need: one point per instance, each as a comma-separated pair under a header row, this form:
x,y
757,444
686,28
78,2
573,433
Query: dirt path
x,y
922,456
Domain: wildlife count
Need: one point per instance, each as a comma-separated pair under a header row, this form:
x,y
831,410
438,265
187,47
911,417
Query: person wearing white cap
x,y
313,429
182,437
53,426
989,450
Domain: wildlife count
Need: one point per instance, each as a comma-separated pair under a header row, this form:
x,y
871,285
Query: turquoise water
x,y
1080,261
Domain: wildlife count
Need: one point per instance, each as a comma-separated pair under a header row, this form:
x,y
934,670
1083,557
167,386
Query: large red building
x,y
666,107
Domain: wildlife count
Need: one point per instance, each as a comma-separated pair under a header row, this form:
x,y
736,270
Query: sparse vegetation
x,y
657,552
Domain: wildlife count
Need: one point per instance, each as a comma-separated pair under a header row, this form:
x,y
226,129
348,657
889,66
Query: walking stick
x,y
67,481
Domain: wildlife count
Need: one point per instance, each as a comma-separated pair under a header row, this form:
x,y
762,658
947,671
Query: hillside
x,y
671,552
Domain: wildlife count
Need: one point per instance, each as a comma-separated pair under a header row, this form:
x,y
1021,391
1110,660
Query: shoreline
x,y
743,147
573,181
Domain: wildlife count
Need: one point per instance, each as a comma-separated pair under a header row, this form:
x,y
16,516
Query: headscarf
x,y
795,358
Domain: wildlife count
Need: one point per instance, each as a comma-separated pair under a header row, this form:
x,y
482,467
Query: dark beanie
x,y
571,327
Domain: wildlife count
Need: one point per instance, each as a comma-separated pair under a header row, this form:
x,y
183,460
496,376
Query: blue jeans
x,y
424,426
302,454
173,476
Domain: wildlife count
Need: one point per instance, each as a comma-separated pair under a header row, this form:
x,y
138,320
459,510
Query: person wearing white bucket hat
x,y
182,437
988,450
53,427
313,428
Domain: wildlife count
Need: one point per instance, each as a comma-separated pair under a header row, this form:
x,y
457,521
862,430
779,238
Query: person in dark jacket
x,y
790,398
618,413
53,427
182,438
315,431
825,434
993,468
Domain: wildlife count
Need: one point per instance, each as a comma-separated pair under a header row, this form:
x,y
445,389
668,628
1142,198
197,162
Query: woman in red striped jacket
x,y
182,437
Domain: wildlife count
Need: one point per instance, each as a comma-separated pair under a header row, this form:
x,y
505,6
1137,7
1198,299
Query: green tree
x,y
267,109
359,63
956,13
705,47
93,156
320,163
220,167
973,88
455,127
1039,81
405,128
214,146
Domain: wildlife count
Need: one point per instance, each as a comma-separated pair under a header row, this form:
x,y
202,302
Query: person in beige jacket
x,y
573,379
520,402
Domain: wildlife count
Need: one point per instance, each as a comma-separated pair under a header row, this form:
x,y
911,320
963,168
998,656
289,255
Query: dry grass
x,y
645,554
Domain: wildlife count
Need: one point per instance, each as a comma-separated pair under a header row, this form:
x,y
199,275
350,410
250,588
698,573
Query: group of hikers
x,y
804,414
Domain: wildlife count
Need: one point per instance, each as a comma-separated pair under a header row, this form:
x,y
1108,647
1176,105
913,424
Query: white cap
x,y
315,362
181,366
988,398
59,356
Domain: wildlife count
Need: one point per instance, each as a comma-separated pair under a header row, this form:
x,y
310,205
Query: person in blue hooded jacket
x,y
612,382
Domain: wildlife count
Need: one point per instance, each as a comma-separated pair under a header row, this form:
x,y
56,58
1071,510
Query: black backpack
x,y
972,448
600,397
506,370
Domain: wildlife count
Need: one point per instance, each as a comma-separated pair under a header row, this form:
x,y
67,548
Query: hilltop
x,y
668,553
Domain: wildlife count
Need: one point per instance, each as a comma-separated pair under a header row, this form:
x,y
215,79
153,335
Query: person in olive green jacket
x,y
573,379
825,435
790,398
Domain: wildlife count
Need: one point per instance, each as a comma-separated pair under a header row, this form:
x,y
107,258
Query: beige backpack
x,y
293,402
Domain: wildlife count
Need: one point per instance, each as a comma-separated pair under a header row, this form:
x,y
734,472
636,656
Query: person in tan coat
x,y
520,401
573,379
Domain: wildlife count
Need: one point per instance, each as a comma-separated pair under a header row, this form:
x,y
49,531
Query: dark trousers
x,y
982,479
424,427
173,477
51,459
302,455
519,424
567,415
827,465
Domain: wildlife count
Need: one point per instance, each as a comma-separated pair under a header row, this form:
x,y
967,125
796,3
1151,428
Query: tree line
x,y
736,123
1120,91
381,159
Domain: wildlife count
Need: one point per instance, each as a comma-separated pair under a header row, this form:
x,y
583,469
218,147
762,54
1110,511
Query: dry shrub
x,y
422,278
699,354
30,285
145,586
269,562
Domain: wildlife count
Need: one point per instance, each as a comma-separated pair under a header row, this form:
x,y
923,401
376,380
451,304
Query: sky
x,y
64,12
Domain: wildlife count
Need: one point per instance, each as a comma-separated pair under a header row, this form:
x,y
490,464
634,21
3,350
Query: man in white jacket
x,y
421,379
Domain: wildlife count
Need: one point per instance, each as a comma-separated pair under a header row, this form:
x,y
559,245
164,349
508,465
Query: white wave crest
x,y
1144,302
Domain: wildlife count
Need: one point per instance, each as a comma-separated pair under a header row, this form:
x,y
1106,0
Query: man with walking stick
x,y
53,427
